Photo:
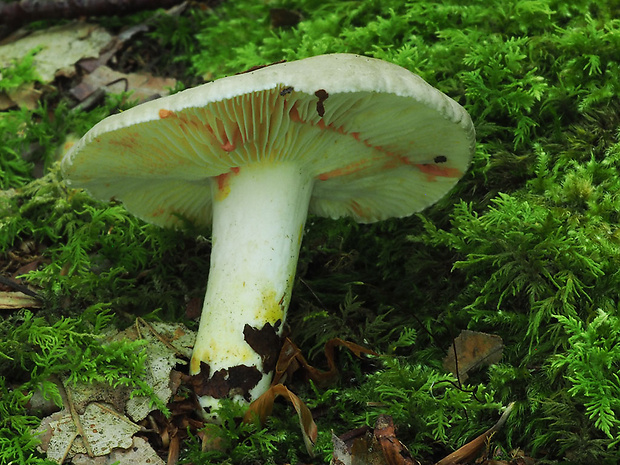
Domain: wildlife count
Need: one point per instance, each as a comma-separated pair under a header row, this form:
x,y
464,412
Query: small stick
x,y
469,450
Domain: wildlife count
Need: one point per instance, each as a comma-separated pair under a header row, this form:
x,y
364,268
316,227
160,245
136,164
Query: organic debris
x,y
471,350
472,449
23,11
291,360
377,447
98,417
263,406
58,48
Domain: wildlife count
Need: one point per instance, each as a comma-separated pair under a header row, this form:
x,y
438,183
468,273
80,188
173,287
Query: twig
x,y
469,450
19,287
25,11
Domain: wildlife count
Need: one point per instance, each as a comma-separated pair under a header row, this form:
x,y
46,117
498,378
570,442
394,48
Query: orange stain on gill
x,y
223,183
228,147
387,159
158,212
359,211
348,169
432,171
165,113
127,141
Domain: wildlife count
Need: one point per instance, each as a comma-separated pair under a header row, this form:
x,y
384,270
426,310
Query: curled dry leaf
x,y
263,406
291,360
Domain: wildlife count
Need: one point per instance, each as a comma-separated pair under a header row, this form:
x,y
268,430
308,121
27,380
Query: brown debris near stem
x,y
261,408
291,360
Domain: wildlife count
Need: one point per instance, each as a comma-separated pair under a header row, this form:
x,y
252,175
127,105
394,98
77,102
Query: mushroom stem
x,y
259,212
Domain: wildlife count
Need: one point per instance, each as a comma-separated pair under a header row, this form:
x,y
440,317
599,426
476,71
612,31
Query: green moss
x,y
35,351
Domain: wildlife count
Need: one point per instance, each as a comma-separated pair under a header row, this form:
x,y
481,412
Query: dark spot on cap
x,y
286,90
440,159
322,95
265,342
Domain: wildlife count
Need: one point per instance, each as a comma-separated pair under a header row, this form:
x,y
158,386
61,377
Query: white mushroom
x,y
250,155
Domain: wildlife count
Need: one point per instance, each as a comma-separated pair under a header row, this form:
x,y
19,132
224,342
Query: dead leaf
x,y
23,96
140,453
104,429
394,452
361,452
61,48
379,447
94,420
143,86
473,349
263,406
291,359
17,300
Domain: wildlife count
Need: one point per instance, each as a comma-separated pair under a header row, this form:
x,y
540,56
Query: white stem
x,y
259,212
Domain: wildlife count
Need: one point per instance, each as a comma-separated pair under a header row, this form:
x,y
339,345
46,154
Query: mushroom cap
x,y
378,141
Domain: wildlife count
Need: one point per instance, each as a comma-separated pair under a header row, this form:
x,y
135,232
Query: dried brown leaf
x,y
291,360
263,406
473,349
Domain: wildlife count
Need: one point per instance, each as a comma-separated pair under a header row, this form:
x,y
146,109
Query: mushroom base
x,y
259,212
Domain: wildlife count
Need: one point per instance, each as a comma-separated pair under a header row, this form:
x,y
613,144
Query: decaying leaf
x,y
103,427
473,349
140,453
61,47
24,96
16,300
166,343
378,447
263,406
96,418
143,86
291,360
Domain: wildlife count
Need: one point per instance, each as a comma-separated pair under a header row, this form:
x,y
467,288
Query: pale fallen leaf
x,y
142,85
16,300
473,349
104,429
101,409
140,453
61,48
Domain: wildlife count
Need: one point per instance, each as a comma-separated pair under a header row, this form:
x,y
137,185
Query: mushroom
x,y
250,155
